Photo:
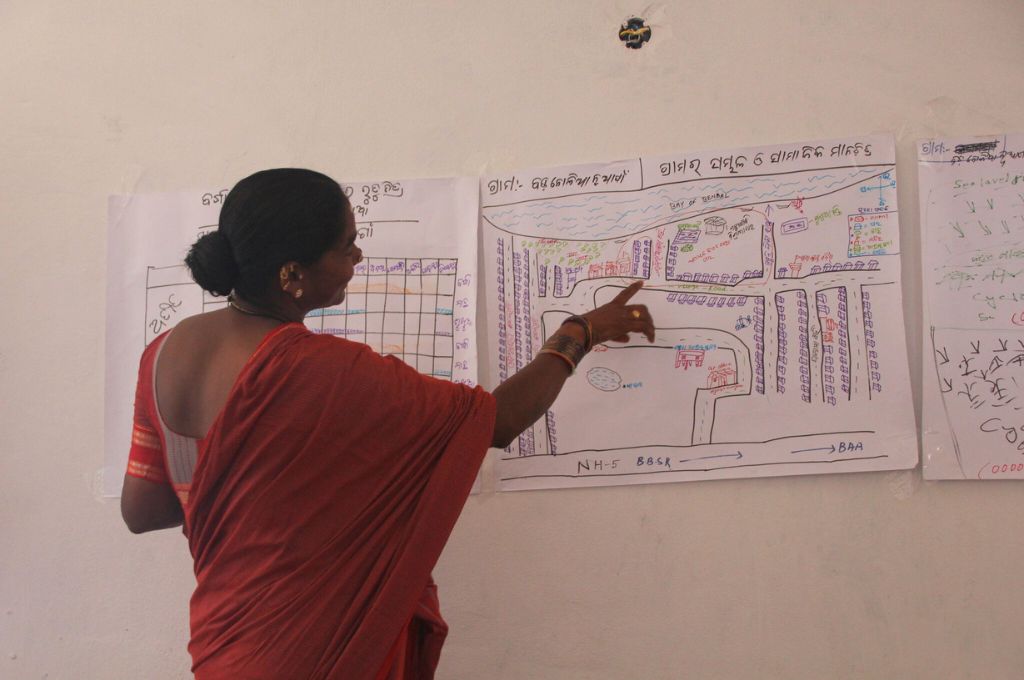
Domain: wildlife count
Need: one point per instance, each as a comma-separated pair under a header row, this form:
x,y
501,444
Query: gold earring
x,y
298,293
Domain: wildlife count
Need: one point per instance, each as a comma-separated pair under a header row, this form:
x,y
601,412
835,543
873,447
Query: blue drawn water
x,y
332,311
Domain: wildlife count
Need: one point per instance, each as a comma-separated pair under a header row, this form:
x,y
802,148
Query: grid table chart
x,y
399,306
172,295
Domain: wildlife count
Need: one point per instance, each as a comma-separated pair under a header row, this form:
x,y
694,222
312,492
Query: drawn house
x,y
721,376
714,225
611,269
685,358
594,271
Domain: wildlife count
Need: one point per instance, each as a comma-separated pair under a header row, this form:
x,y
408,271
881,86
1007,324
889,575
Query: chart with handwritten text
x,y
413,295
972,229
773,276
400,306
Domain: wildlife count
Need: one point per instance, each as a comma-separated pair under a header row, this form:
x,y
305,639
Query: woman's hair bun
x,y
212,263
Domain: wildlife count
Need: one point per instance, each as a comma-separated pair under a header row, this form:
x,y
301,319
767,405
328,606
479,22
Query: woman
x,y
316,480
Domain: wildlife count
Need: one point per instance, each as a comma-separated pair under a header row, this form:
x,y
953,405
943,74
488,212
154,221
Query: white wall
x,y
843,576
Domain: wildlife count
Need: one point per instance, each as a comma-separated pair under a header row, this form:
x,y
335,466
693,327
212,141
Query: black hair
x,y
269,218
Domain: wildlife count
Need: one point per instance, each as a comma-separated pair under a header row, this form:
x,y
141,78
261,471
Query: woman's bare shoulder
x,y
222,328
198,364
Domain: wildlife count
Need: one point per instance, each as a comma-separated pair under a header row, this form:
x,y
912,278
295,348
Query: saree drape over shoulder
x,y
318,505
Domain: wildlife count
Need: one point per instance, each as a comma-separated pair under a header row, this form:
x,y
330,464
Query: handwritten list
x,y
972,221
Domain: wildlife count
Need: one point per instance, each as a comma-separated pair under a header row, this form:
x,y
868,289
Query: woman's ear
x,y
291,278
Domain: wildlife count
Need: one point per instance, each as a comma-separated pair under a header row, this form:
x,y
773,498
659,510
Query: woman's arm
x,y
525,396
148,506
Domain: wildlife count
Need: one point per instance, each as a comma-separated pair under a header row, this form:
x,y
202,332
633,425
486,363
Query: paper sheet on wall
x,y
773,276
413,296
972,228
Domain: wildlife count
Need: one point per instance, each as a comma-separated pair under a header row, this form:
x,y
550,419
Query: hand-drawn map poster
x,y
972,222
412,296
773,276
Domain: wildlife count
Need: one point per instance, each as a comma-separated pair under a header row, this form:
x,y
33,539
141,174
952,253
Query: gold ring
x,y
636,313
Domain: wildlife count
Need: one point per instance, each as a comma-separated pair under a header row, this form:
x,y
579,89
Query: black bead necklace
x,y
233,303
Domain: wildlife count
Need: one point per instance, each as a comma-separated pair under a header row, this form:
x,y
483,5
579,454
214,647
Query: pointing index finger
x,y
628,292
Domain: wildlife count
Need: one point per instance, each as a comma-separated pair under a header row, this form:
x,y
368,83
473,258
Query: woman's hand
x,y
616,320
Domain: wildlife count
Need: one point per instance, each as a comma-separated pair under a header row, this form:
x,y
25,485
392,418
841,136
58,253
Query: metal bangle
x,y
588,330
567,345
566,359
